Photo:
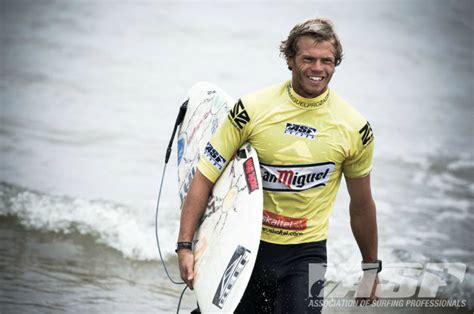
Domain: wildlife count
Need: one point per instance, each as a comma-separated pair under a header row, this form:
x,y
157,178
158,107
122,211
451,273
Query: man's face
x,y
312,67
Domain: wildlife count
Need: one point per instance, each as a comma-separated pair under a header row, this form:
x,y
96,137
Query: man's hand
x,y
366,293
186,266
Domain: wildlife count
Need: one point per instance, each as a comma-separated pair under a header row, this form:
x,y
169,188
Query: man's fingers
x,y
186,267
190,278
187,275
361,301
366,301
368,287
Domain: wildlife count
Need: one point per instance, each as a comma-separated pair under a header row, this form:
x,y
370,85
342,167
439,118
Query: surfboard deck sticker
x,y
228,237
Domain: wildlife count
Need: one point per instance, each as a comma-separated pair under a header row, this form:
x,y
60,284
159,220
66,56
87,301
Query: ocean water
x,y
89,94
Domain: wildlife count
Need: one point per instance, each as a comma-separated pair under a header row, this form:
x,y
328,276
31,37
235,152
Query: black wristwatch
x,y
377,265
183,245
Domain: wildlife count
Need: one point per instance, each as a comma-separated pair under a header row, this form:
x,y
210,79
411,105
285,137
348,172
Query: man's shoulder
x,y
265,95
346,112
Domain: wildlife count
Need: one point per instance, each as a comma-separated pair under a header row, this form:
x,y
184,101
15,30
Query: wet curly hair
x,y
319,29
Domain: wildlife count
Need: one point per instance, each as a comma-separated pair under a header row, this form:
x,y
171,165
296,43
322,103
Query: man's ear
x,y
291,63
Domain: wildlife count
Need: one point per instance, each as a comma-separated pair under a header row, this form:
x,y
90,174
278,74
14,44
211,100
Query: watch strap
x,y
376,265
183,245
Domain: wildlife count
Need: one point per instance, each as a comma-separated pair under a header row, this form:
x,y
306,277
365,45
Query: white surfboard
x,y
228,237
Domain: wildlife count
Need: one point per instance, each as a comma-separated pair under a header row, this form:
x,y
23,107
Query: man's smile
x,y
316,78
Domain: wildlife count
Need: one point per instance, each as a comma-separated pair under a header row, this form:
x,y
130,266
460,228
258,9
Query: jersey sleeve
x,y
359,162
229,137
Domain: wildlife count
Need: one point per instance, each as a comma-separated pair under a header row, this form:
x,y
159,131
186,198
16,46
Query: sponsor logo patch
x,y
281,232
300,130
283,222
235,267
295,177
250,175
367,135
214,157
238,116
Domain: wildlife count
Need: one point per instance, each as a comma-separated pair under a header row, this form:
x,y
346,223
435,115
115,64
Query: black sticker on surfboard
x,y
236,264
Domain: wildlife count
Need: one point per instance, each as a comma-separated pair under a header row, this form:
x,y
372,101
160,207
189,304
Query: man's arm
x,y
193,209
364,224
363,217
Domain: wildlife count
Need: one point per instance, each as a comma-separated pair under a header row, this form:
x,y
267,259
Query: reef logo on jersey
x,y
238,116
289,178
214,156
300,130
367,135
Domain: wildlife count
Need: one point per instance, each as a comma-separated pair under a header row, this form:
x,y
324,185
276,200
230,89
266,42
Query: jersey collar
x,y
307,103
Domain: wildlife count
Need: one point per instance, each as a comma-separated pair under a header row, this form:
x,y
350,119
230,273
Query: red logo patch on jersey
x,y
283,222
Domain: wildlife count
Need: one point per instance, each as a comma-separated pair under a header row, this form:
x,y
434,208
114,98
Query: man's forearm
x,y
194,206
364,228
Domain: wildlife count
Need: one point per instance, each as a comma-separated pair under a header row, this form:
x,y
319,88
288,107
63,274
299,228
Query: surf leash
x,y
179,120
180,298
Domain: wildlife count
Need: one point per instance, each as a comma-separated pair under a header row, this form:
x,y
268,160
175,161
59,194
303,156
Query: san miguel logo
x,y
283,222
289,178
367,134
214,157
250,175
235,267
300,130
238,116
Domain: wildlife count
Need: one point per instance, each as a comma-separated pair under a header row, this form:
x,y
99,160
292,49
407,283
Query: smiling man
x,y
306,138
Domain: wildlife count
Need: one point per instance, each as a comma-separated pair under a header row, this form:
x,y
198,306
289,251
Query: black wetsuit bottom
x,y
281,277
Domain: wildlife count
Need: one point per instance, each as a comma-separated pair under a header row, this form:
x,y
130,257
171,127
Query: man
x,y
306,137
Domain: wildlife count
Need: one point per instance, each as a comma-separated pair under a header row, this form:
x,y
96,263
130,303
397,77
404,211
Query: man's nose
x,y
317,65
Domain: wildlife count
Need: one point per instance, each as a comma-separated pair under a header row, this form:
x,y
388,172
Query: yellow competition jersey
x,y
304,146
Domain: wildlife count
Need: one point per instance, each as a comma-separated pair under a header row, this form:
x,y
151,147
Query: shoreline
x,y
72,272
